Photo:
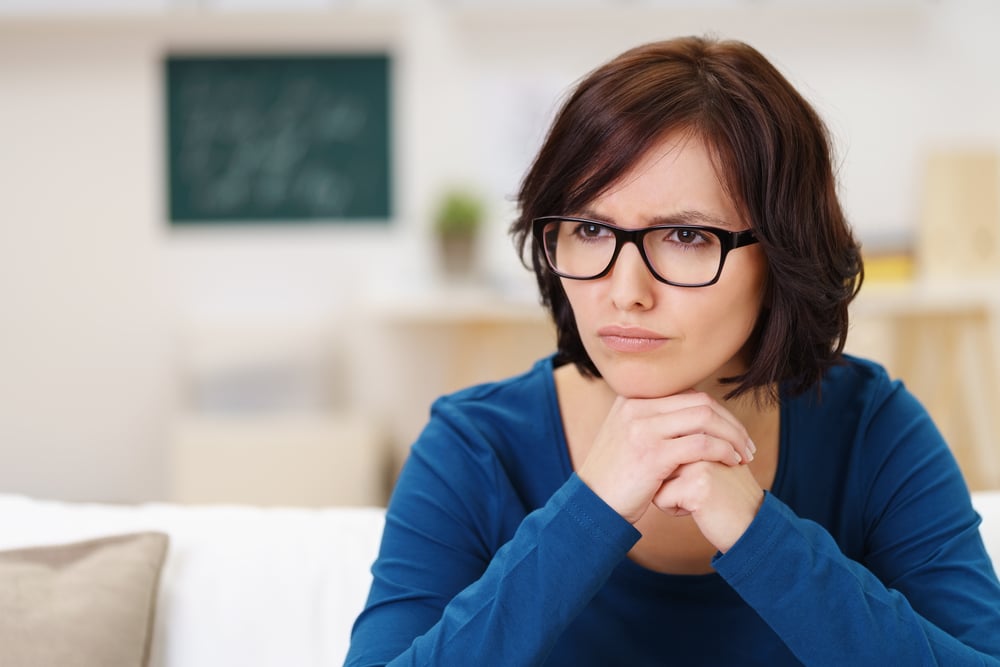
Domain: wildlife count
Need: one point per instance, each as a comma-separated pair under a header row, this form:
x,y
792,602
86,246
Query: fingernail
x,y
753,447
739,459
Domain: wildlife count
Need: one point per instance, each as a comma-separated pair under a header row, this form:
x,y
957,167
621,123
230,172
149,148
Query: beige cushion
x,y
80,604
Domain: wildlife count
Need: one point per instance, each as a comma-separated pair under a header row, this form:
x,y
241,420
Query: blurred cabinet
x,y
959,232
265,419
302,460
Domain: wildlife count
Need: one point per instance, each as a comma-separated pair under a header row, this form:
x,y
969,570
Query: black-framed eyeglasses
x,y
680,255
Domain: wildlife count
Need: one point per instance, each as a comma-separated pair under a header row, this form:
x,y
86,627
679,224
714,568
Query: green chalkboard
x,y
278,138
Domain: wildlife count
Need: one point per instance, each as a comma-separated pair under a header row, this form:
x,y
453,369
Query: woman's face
x,y
649,339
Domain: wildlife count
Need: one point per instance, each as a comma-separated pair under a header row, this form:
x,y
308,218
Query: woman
x,y
698,476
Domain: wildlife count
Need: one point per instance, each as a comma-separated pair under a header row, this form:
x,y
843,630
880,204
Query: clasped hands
x,y
684,454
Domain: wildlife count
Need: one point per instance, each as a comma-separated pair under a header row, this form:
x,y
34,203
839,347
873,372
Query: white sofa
x,y
253,586
240,585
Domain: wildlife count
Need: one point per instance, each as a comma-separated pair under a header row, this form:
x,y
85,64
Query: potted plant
x,y
457,224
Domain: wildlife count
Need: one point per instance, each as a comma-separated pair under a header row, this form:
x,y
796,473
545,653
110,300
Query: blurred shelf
x,y
925,296
456,305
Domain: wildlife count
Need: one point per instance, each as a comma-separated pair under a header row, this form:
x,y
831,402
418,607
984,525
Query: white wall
x,y
84,313
98,296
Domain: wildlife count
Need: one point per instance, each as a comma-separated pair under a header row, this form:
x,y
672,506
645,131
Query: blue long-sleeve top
x,y
865,551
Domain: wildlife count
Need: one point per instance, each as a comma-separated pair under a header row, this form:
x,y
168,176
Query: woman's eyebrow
x,y
686,217
690,218
590,214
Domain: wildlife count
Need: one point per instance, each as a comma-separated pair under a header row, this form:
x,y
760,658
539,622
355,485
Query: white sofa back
x,y
251,586
241,585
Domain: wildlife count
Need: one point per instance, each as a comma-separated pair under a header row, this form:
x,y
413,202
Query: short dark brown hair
x,y
773,156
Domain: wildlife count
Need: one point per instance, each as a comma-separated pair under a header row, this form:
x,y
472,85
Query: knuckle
x,y
699,475
704,412
628,409
635,433
702,398
701,440
703,473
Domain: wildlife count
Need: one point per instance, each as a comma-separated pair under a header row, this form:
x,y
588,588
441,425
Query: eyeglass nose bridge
x,y
635,237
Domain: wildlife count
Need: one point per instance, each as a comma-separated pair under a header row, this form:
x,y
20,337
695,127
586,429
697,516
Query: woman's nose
x,y
631,281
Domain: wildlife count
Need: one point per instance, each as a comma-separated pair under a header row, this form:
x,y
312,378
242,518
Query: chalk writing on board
x,y
278,138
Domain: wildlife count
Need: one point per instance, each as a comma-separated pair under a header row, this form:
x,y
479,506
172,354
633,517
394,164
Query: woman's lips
x,y
630,339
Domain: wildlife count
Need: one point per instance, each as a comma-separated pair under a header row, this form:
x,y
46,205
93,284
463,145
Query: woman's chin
x,y
644,385
656,378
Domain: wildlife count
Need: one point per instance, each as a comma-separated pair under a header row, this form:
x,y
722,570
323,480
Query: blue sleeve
x,y
925,592
450,587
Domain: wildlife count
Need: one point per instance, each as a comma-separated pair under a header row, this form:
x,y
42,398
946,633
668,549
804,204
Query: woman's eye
x,y
686,236
590,231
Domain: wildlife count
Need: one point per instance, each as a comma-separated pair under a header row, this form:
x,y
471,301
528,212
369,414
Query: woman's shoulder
x,y
869,387
857,373
856,384
496,414
871,415
510,425
857,413
522,391
854,442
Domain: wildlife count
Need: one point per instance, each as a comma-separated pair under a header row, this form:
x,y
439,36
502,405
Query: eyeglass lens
x,y
685,255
